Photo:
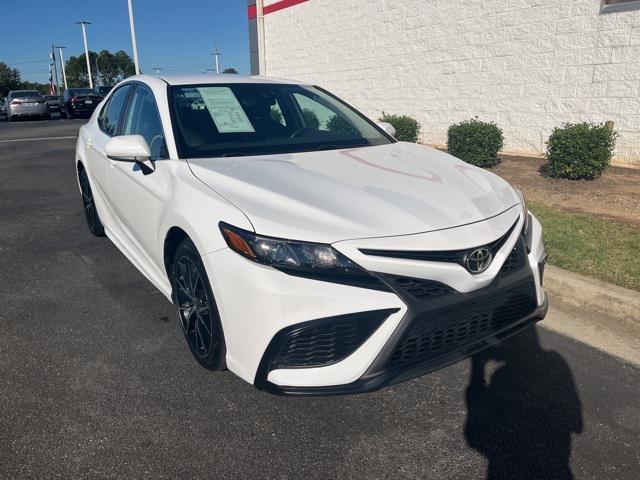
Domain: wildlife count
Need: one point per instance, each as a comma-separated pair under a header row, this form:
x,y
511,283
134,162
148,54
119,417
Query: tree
x,y
9,79
40,87
230,70
106,68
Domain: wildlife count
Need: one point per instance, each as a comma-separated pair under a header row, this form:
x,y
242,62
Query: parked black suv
x,y
79,102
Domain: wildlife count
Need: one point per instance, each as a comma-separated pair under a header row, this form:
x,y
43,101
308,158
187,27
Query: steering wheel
x,y
153,140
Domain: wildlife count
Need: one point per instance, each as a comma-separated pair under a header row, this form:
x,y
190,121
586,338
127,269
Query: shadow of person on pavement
x,y
522,420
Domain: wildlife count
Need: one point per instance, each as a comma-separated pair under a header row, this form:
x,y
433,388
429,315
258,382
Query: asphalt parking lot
x,y
96,380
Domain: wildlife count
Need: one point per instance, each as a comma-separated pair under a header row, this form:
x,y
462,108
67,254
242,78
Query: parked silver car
x,y
26,103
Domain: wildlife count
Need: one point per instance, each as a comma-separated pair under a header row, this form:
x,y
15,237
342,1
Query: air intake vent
x,y
325,341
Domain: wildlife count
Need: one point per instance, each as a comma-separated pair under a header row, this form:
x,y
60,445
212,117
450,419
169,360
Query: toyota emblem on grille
x,y
479,260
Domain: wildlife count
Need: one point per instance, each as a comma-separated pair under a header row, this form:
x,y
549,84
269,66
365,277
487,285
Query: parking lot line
x,y
35,139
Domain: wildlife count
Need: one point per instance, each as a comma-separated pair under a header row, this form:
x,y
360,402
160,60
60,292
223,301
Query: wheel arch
x,y
175,235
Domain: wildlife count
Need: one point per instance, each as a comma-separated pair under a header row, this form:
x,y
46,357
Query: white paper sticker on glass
x,y
225,110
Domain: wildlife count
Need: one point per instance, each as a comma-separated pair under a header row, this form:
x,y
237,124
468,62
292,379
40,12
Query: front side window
x,y
109,118
240,119
142,118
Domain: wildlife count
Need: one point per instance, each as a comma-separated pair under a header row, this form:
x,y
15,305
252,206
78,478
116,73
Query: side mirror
x,y
128,148
388,128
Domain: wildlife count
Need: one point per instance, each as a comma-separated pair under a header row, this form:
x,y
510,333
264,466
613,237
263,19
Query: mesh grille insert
x,y
421,289
514,261
327,341
434,335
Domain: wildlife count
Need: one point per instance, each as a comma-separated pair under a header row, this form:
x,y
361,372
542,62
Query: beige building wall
x,y
528,65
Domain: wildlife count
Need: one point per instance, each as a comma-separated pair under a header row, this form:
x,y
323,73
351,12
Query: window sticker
x,y
225,110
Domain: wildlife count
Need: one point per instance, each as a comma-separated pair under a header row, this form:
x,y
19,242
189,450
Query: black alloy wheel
x,y
89,206
197,309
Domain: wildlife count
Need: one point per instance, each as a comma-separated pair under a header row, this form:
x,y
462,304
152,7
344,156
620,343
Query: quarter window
x,y
143,119
109,118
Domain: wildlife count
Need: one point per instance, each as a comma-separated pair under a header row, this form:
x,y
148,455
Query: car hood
x,y
328,196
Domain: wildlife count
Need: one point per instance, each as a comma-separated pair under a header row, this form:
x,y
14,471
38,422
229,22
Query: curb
x,y
585,292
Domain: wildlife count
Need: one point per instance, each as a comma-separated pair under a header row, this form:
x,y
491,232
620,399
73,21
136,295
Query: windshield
x,y
239,119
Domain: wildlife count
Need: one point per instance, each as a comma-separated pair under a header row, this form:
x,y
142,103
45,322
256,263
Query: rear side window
x,y
109,118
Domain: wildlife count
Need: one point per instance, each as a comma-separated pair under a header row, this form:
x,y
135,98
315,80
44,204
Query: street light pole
x,y
55,68
64,75
133,39
216,55
86,49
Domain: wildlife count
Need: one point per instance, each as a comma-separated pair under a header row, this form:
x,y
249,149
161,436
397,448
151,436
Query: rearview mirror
x,y
388,128
128,148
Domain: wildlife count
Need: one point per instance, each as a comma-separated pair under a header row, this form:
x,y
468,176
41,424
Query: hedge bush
x,y
339,124
580,151
310,118
475,142
407,128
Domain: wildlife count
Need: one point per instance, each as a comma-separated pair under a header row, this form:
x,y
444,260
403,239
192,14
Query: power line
x,y
26,62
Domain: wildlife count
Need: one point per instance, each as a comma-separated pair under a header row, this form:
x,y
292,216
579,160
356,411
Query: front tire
x,y
197,309
89,206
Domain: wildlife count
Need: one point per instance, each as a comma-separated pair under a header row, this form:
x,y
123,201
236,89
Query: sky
x,y
176,35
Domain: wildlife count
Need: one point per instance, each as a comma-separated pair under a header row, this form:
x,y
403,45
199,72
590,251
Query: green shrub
x,y
475,142
407,128
310,119
580,151
339,124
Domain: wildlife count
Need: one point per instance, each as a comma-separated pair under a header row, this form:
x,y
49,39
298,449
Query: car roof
x,y
221,78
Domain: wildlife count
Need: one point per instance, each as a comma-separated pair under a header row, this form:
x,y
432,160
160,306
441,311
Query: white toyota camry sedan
x,y
306,250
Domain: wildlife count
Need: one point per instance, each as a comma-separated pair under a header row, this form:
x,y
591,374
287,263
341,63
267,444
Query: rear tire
x,y
89,206
10,118
197,309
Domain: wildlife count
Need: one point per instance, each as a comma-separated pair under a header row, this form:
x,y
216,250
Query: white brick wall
x,y
528,65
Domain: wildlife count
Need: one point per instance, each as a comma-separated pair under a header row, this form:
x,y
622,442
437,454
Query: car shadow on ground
x,y
522,415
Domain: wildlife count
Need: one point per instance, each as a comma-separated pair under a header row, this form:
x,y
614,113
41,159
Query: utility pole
x,y
216,54
86,49
133,39
55,68
64,75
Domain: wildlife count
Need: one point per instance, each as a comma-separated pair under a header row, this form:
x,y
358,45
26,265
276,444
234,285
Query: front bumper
x,y
385,371
260,306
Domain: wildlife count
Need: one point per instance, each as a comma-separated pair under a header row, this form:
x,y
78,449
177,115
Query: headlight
x,y
311,260
526,229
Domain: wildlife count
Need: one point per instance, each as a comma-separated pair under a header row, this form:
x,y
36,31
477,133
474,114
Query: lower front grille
x,y
325,341
435,334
